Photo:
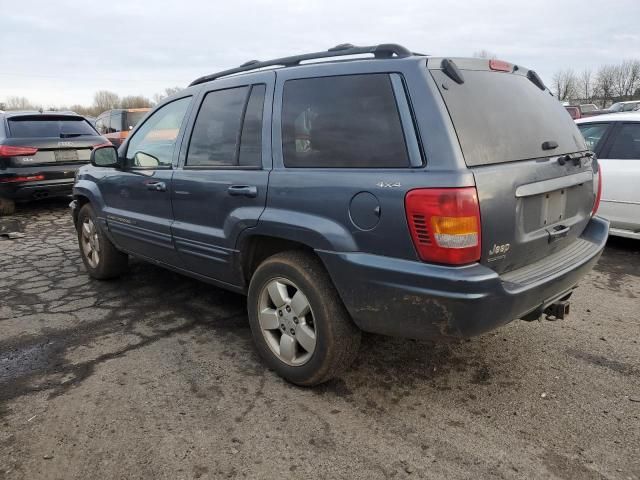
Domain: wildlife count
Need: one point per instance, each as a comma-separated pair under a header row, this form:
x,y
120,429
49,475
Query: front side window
x,y
593,133
347,121
626,145
228,129
100,125
153,144
115,124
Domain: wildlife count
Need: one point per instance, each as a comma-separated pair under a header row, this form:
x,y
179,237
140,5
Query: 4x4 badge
x,y
388,184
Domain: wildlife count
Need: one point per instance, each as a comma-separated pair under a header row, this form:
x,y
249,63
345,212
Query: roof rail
x,y
386,50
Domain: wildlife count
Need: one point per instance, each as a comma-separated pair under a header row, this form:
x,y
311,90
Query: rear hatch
x,y
59,139
533,172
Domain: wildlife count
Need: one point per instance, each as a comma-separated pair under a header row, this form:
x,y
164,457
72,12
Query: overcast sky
x,y
58,52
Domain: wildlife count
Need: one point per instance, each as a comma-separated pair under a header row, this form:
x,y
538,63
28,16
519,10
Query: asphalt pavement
x,y
154,376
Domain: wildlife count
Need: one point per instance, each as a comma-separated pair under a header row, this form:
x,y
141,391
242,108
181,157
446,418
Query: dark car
x,y
40,154
116,124
397,194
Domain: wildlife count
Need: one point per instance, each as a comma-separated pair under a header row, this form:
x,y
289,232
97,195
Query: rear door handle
x,y
250,191
156,186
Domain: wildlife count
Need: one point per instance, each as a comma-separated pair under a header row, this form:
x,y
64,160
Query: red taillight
x,y
445,224
26,178
14,151
500,66
597,178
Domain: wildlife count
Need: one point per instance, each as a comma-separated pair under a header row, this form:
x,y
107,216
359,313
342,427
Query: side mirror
x,y
105,156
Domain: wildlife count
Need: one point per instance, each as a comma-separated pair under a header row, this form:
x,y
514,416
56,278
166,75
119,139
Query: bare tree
x,y
158,97
19,103
135,101
565,84
604,84
585,85
625,79
484,54
105,100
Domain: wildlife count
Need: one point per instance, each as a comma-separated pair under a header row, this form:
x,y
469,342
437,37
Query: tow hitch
x,y
559,309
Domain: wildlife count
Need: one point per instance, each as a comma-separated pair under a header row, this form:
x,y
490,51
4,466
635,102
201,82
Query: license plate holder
x,y
554,205
66,155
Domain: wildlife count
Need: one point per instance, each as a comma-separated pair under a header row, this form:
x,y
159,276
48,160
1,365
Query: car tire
x,y
7,206
101,258
325,339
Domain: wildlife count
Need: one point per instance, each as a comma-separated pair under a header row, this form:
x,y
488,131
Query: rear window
x,y
342,122
504,117
60,127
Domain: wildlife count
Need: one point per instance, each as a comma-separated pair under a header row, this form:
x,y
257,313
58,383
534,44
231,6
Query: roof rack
x,y
386,50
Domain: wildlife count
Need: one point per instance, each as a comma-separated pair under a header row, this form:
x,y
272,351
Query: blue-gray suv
x,y
389,192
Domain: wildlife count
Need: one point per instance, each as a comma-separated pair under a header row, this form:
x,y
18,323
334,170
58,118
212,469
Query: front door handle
x,y
156,186
250,191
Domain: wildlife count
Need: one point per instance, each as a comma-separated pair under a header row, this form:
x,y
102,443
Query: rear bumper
x,y
58,181
416,300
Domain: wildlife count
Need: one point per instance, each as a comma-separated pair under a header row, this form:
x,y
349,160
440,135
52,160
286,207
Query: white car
x,y
615,139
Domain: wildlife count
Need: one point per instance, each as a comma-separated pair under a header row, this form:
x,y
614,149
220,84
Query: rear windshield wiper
x,y
69,135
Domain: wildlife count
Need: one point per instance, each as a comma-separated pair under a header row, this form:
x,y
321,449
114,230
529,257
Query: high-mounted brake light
x,y
445,224
15,151
500,65
597,178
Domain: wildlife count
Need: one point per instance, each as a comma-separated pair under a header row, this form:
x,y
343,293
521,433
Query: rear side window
x,y
49,126
342,122
626,144
228,129
593,133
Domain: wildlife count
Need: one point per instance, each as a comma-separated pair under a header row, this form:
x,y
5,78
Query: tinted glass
x,y
592,133
626,144
216,132
132,119
629,107
504,117
251,139
346,121
60,127
153,144
115,122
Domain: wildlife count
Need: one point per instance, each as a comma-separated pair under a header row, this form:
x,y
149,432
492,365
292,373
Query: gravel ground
x,y
154,376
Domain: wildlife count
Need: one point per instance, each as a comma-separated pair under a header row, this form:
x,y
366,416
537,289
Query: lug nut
x,y
280,312
295,320
282,327
288,308
293,332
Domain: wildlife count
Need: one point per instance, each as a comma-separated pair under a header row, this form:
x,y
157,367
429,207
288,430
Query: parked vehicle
x,y
354,194
40,153
586,108
116,124
574,112
616,141
619,107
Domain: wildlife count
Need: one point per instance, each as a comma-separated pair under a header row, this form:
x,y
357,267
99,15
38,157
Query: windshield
x,y
616,107
504,117
49,126
132,119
